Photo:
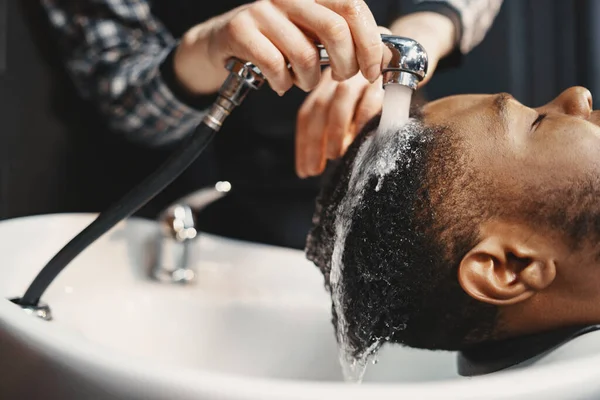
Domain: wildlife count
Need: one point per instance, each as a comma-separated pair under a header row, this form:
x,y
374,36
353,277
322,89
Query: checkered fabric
x,y
114,49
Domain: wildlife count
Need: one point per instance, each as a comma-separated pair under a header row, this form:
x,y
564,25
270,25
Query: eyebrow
x,y
501,105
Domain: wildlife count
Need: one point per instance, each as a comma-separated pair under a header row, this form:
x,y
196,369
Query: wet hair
x,y
403,248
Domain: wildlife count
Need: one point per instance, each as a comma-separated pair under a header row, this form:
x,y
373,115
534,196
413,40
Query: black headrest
x,y
498,355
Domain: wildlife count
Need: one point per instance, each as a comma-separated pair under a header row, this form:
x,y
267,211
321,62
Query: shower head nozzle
x,y
408,63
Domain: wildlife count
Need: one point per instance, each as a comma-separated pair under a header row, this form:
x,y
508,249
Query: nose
x,y
575,101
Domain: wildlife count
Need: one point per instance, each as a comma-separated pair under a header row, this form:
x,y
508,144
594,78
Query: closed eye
x,y
538,119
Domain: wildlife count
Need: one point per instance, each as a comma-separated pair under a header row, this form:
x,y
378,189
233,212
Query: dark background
x,y
49,162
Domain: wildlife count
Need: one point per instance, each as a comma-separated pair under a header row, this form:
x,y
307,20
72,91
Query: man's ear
x,y
507,266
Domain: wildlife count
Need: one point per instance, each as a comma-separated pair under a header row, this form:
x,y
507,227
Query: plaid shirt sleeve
x,y
474,18
114,51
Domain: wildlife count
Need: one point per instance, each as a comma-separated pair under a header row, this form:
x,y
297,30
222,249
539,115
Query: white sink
x,y
256,325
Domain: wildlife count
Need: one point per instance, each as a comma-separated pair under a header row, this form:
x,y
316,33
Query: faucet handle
x,y
178,220
202,198
179,217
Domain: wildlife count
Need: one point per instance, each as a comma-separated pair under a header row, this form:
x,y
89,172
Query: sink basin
x,y
255,325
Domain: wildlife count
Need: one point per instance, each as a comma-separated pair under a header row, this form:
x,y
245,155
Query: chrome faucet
x,y
178,232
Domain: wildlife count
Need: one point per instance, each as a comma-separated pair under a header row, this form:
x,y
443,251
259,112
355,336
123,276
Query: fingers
x,y
296,47
273,33
331,30
365,33
310,128
243,39
330,119
340,128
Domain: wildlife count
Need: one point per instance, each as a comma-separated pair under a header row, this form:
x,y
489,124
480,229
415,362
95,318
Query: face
x,y
525,269
549,145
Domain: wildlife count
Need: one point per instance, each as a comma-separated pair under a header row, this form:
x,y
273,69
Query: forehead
x,y
450,109
479,124
472,117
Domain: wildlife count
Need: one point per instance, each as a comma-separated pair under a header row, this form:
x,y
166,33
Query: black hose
x,y
175,165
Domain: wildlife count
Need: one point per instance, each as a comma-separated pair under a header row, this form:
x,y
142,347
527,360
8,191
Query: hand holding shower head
x,y
407,65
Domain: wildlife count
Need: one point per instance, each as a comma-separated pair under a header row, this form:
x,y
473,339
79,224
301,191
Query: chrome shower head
x,y
408,63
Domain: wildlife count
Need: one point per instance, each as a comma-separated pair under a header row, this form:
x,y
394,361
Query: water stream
x,y
396,106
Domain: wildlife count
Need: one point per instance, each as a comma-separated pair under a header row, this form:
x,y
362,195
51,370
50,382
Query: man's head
x,y
487,228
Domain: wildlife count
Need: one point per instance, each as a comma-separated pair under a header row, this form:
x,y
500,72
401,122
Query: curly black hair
x,y
400,274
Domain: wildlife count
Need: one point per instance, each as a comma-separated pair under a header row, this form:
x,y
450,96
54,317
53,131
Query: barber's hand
x,y
331,117
271,33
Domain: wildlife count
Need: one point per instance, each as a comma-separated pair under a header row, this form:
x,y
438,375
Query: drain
x,y
40,310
